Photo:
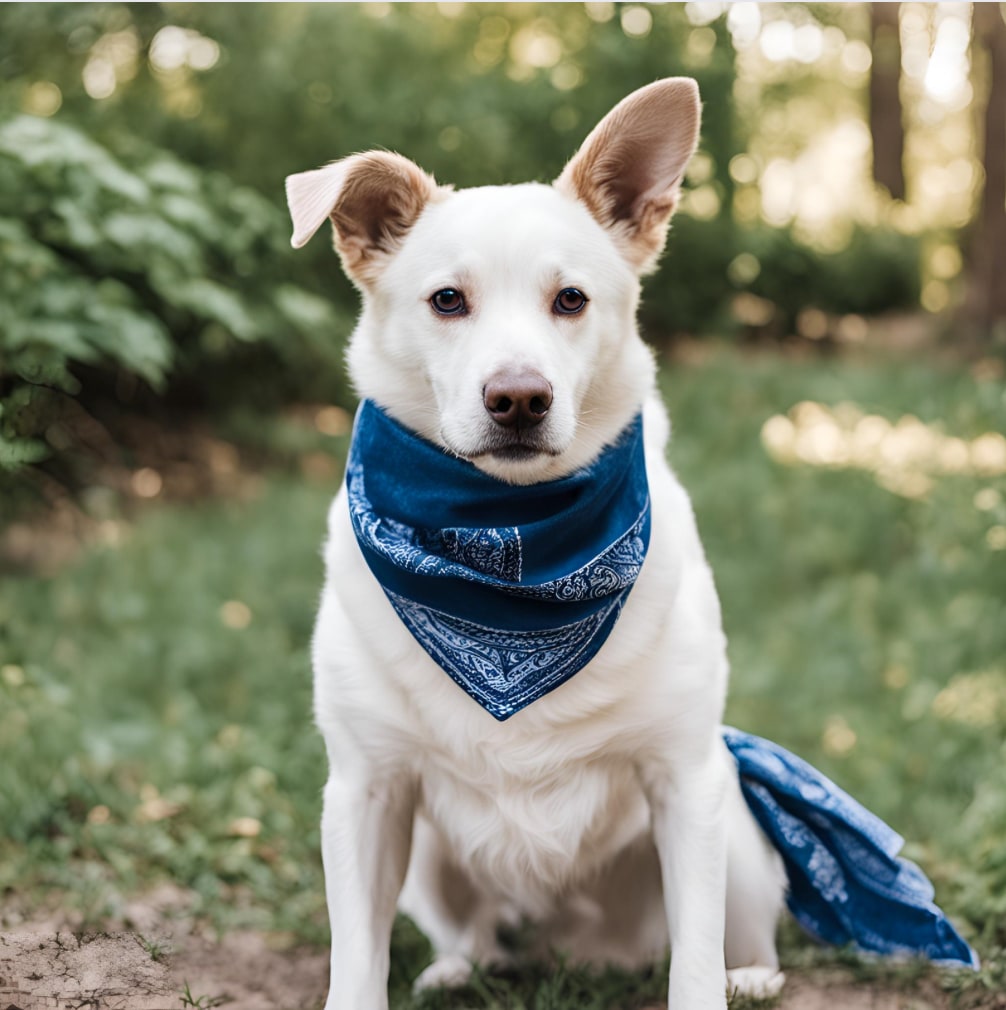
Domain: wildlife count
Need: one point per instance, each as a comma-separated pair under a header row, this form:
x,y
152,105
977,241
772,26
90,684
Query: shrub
x,y
153,269
877,271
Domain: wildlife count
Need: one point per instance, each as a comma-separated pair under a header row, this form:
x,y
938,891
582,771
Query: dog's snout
x,y
517,398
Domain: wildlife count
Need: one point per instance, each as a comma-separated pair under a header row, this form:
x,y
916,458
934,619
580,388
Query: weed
x,y
157,950
200,1002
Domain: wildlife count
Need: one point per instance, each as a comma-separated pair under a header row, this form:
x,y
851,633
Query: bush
x,y
877,271
691,294
155,270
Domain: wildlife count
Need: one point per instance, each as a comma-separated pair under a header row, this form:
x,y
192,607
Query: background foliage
x,y
143,273
142,207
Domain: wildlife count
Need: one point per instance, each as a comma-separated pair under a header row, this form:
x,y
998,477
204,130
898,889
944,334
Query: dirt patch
x,y
61,970
819,992
245,971
157,957
126,971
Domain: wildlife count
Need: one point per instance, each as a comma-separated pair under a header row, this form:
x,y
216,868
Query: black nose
x,y
517,398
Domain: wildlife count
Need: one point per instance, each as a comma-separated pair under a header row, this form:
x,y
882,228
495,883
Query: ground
x,y
241,972
159,957
172,966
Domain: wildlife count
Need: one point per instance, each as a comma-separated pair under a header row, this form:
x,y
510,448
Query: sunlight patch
x,y
905,457
977,699
236,614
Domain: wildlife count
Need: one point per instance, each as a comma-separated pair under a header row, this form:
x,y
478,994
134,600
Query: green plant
x,y
877,270
144,268
157,950
200,1002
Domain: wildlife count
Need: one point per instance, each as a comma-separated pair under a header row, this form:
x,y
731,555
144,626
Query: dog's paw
x,y
756,982
449,971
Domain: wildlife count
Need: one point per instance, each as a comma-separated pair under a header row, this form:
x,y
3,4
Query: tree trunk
x,y
988,251
886,127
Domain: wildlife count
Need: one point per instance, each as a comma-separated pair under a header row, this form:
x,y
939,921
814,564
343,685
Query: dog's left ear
x,y
628,171
372,200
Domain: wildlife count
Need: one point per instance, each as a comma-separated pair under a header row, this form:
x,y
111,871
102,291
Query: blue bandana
x,y
846,882
512,590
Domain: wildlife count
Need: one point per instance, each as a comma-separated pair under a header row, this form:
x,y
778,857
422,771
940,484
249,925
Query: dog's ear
x,y
372,200
628,171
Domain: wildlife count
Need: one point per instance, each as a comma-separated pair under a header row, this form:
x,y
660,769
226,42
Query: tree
x,y
987,302
886,127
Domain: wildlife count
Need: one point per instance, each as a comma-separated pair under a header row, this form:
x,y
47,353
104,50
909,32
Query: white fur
x,y
607,812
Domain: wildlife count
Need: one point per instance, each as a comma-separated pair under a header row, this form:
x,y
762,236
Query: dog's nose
x,y
517,398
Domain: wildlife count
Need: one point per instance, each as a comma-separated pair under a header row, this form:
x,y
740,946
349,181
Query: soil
x,y
817,992
118,971
88,495
164,963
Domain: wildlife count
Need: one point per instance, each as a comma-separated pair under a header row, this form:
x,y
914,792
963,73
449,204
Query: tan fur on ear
x,y
628,171
372,200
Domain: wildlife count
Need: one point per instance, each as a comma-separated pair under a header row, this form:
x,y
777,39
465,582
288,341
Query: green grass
x,y
137,727
144,738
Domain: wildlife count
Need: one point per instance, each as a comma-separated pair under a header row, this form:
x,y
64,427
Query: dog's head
x,y
499,321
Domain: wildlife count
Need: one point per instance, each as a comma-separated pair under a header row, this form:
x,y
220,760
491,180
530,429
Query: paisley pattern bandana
x,y
846,882
510,589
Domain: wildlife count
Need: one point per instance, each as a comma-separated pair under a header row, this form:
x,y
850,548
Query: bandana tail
x,y
846,882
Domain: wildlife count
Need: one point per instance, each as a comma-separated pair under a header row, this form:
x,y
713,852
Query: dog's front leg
x,y
366,831
688,818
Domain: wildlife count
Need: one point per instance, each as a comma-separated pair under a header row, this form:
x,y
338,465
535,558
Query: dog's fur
x,y
608,812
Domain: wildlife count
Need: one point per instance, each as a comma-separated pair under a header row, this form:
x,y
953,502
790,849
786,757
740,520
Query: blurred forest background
x,y
851,165
830,319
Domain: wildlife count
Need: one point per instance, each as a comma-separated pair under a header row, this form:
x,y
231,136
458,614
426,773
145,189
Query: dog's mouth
x,y
518,452
518,447
515,451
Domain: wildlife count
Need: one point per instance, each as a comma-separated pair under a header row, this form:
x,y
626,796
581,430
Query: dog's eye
x,y
448,302
569,301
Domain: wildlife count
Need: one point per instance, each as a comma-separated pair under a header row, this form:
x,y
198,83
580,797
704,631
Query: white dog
x,y
498,324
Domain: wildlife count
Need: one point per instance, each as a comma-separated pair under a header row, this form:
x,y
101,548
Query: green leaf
x,y
121,332
210,300
19,452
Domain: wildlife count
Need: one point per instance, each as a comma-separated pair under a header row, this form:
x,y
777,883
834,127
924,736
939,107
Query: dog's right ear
x,y
371,199
628,171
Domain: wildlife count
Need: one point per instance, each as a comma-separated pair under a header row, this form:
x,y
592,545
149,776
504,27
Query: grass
x,y
155,696
155,718
156,949
187,999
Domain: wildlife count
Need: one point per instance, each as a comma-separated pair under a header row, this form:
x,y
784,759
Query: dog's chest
x,y
528,824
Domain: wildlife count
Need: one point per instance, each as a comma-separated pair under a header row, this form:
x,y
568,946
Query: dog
x,y
498,328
